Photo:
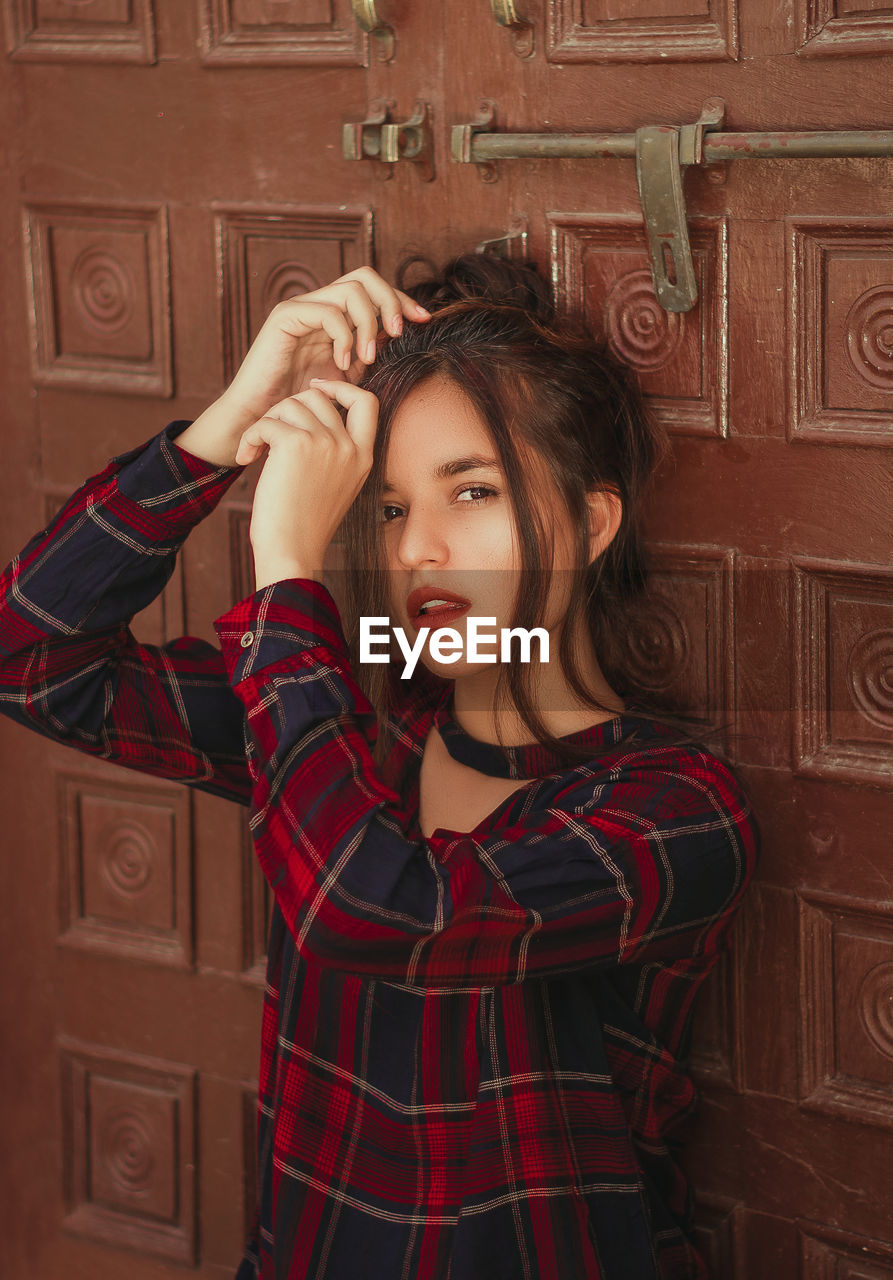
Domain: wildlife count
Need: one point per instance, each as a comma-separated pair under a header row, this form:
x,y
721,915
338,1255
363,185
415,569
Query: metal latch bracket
x,y
662,154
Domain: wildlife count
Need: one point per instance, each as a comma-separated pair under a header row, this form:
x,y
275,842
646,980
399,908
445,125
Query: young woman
x,y
498,885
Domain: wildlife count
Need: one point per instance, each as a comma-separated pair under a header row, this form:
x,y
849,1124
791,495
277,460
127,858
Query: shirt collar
x,y
529,759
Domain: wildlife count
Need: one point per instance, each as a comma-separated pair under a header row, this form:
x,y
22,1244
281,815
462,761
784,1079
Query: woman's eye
x,y
478,488
483,490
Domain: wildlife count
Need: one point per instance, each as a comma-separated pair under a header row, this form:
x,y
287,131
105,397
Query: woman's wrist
x,y
215,434
281,569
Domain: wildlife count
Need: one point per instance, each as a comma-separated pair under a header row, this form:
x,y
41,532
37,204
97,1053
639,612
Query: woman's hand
x,y
330,333
317,462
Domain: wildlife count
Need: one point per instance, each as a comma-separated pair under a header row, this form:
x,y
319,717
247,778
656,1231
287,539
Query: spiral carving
x,y
103,290
876,1006
128,859
870,676
125,1148
639,331
285,280
869,336
658,649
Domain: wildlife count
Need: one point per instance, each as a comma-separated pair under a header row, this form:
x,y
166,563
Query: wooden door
x,y
172,169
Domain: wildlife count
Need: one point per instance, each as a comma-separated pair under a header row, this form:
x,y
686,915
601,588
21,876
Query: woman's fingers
x,y
312,411
390,303
298,315
362,412
348,311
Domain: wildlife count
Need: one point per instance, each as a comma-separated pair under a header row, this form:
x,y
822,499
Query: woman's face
x,y
453,532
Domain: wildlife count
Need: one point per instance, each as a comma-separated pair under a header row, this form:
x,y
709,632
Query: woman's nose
x,y
421,540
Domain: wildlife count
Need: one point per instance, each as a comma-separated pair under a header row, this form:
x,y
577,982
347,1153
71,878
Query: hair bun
x,y
477,275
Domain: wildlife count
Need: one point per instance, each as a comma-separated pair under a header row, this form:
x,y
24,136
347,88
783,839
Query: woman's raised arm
x,y
71,669
69,666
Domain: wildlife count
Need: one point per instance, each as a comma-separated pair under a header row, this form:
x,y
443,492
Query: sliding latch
x,y
661,153
378,137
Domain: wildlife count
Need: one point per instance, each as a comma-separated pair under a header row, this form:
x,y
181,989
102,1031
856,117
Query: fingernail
x,y
371,348
422,311
396,326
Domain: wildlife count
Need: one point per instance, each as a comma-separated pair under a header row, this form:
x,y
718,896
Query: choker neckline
x,y
526,759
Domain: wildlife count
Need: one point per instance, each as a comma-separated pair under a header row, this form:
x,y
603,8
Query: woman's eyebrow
x,y
455,467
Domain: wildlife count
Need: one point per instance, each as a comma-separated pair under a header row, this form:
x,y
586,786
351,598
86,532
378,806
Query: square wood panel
x,y
601,266
100,298
266,255
69,30
845,27
844,671
829,1254
125,869
270,32
846,966
681,647
129,1150
642,30
841,277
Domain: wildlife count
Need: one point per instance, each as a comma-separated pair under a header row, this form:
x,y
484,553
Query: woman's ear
x,y
605,514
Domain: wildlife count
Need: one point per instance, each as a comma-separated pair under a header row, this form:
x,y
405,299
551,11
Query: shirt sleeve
x,y
646,860
71,669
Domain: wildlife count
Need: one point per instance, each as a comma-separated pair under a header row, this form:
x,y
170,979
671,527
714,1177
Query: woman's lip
x,y
437,615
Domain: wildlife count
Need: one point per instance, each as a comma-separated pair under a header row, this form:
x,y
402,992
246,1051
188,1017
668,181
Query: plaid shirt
x,y
473,1047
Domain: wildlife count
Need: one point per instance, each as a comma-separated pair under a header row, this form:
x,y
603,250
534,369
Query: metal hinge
x,y
662,153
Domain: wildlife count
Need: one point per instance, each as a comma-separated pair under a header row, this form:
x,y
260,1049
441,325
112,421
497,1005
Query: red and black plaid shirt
x,y
473,1053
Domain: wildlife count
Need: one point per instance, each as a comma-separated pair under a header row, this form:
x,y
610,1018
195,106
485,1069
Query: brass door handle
x,y
506,14
366,15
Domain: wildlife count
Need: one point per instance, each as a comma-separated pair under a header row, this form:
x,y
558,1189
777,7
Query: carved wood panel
x,y
841,1255
642,31
81,30
267,32
844,666
125,868
268,255
845,27
682,649
842,352
602,269
99,283
130,1149
847,1022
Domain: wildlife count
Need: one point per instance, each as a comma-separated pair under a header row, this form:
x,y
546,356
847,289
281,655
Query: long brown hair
x,y
540,383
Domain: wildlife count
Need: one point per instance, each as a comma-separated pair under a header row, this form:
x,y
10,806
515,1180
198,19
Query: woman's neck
x,y
558,705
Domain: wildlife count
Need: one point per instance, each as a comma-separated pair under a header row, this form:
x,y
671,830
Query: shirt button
x,y
247,639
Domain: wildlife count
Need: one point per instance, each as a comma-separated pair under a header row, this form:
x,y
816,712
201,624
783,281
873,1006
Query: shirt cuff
x,y
280,624
172,489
